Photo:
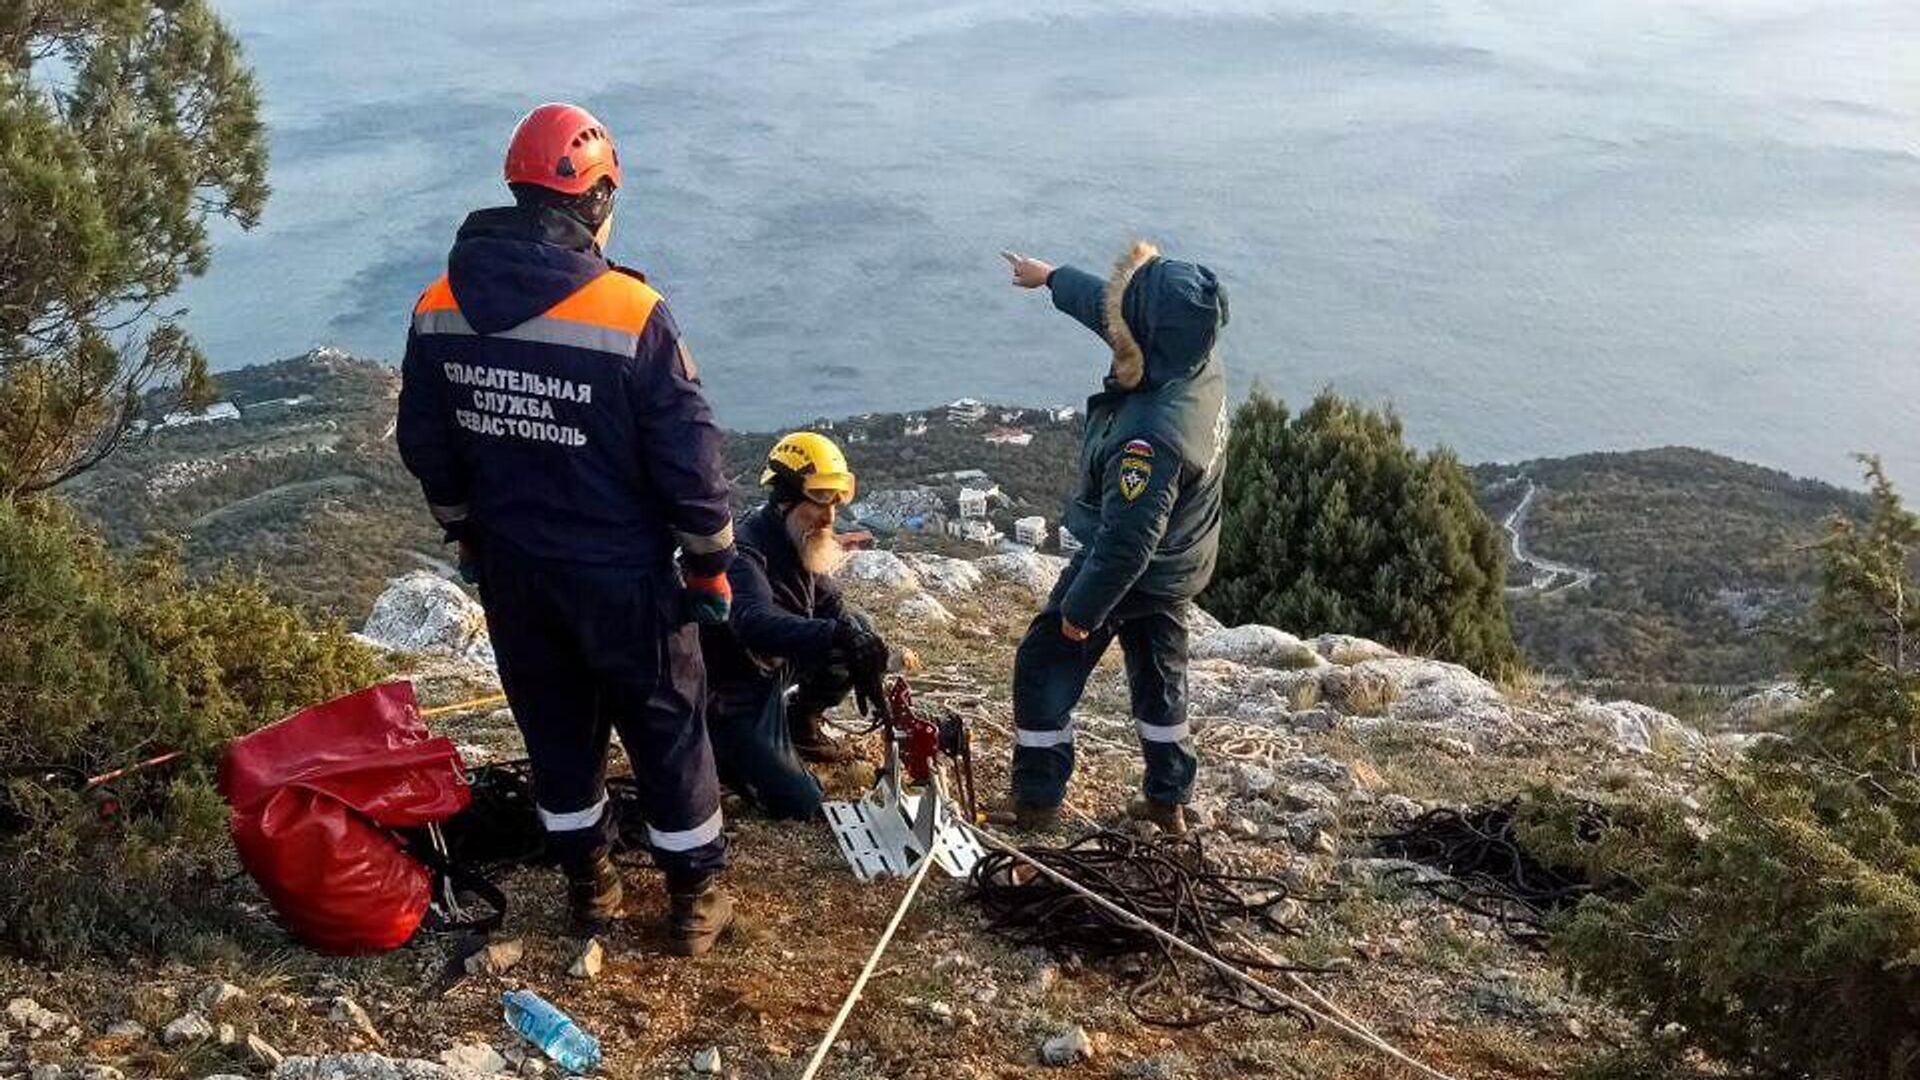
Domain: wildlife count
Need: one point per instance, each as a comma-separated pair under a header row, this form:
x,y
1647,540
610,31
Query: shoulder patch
x,y
689,370
1138,448
1135,473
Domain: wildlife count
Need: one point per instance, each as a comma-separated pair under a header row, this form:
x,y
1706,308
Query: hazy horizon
x,y
1534,233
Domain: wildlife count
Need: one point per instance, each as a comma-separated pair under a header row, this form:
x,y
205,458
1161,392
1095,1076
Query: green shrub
x,y
104,663
1779,933
1334,525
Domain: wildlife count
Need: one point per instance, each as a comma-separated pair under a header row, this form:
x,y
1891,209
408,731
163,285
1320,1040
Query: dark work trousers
x,y
1050,673
748,720
584,651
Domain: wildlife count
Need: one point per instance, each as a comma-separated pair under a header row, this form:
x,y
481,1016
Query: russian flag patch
x,y
1138,448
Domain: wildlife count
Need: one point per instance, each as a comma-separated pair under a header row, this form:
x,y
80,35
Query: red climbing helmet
x,y
562,147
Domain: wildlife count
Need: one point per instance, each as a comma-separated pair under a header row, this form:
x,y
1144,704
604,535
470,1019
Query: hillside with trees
x,y
1698,562
1697,559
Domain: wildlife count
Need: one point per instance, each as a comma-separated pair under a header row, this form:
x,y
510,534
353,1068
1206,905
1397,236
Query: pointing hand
x,y
1028,273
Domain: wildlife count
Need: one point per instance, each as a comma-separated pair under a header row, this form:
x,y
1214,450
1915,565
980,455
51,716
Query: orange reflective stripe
x,y
438,297
613,300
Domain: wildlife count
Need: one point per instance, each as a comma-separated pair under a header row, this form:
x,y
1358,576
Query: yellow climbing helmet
x,y
808,465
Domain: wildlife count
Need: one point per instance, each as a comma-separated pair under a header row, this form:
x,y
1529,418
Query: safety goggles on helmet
x,y
833,489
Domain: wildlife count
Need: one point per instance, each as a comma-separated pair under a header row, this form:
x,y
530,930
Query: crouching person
x,y
791,648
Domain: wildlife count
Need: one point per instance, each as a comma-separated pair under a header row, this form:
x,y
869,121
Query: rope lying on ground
x,y
866,971
1333,1017
463,706
1488,870
1168,883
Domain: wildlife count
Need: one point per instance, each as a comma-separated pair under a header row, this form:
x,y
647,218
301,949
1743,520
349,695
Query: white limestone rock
x,y
1252,779
367,1066
1200,622
1035,572
1766,708
496,957
1347,649
1070,1047
881,569
190,1028
592,958
942,575
1254,695
924,610
216,994
1256,645
1417,690
421,612
35,1020
1637,728
474,1058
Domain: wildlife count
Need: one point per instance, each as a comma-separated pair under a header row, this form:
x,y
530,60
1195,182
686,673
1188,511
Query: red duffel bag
x,y
316,798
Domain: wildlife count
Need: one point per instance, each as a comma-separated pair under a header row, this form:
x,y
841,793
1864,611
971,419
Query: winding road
x,y
1549,576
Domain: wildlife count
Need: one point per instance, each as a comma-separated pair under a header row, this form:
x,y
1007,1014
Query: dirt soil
x,y
949,1000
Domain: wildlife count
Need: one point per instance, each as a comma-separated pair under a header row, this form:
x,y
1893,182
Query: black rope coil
x,y
1488,870
1167,882
501,827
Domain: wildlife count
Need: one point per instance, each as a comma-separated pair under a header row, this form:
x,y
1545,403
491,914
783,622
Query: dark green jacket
x,y
1148,508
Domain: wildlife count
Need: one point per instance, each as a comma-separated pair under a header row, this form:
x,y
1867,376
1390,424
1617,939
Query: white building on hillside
x,y
973,502
219,410
976,530
1031,531
966,411
1069,543
1009,436
1061,414
916,427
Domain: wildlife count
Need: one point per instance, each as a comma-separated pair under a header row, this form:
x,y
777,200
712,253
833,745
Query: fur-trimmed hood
x,y
1161,317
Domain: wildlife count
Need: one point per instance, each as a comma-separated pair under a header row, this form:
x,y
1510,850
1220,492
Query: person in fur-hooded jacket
x,y
1147,511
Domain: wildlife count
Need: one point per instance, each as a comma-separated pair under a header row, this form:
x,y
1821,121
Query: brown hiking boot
x,y
1170,817
1025,818
814,745
594,896
698,912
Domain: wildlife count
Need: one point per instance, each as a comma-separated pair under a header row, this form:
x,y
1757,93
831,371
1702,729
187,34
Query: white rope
x,y
1332,1017
873,961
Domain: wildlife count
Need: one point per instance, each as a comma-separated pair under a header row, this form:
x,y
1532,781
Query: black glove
x,y
865,655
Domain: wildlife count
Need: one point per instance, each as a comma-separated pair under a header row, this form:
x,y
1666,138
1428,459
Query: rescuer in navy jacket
x,y
557,427
1147,509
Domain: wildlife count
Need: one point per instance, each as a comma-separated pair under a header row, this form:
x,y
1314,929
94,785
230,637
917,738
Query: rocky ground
x,y
1308,746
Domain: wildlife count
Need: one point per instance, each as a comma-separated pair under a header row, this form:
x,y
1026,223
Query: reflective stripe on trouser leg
x,y
551,691
661,716
1155,646
1163,733
1049,675
573,819
684,840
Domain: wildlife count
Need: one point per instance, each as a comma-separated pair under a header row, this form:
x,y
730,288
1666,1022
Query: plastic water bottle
x,y
553,1031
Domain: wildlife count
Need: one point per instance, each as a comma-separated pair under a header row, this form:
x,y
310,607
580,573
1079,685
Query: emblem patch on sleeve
x,y
1138,448
1134,474
688,369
